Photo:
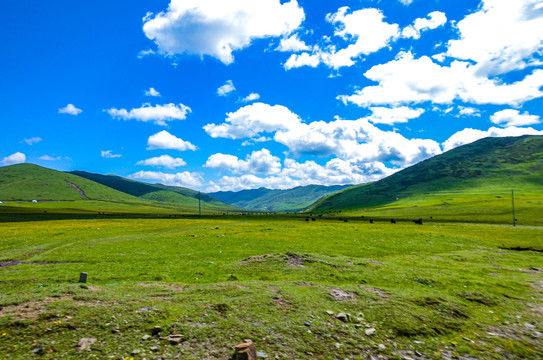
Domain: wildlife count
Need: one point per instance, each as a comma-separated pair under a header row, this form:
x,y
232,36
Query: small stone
x,y
154,348
175,339
307,324
338,345
135,352
85,344
382,347
245,351
370,331
529,326
38,351
116,330
146,337
343,317
156,330
260,354
330,312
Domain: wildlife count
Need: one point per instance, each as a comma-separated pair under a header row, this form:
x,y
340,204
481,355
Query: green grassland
x,y
440,290
32,182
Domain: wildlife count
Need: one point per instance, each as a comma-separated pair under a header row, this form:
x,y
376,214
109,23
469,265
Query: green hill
x,y
155,192
263,199
476,178
32,182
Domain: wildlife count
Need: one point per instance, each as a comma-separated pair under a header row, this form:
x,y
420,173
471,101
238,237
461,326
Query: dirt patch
x,y
255,258
14,262
341,295
518,248
295,260
306,284
7,263
380,293
374,262
278,298
31,310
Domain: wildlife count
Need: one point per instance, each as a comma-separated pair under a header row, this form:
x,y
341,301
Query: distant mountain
x,y
154,192
32,182
485,165
268,200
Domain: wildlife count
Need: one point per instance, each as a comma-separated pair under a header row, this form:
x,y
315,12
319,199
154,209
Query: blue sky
x,y
230,95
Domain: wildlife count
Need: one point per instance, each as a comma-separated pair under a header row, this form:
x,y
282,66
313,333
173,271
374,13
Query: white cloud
x,y
108,154
49,158
406,2
184,179
389,116
226,89
251,97
510,117
468,111
152,92
410,80
70,109
32,140
144,53
366,31
303,59
334,172
434,20
217,28
503,35
347,139
469,135
165,140
292,44
158,114
163,160
261,161
16,158
253,119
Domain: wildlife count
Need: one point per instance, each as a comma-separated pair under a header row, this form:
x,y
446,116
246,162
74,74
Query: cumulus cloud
x,y
32,140
16,158
293,173
510,117
292,44
152,92
108,154
366,31
434,20
410,80
226,89
49,158
251,97
184,179
469,135
347,139
253,119
217,28
390,116
165,140
163,160
503,35
261,161
468,111
159,114
70,109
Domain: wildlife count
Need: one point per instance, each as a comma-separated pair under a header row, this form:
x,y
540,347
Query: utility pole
x,y
513,202
199,206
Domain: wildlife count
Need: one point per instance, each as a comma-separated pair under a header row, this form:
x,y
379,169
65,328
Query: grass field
x,y
440,290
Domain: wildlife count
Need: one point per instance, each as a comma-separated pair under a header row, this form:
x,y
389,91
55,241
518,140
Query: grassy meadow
x,y
441,290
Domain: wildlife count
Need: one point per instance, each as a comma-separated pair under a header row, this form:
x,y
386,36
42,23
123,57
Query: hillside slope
x,y
294,199
32,182
488,165
154,192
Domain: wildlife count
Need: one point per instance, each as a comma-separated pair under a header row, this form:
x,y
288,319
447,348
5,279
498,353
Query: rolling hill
x,y
475,173
263,199
154,192
32,182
